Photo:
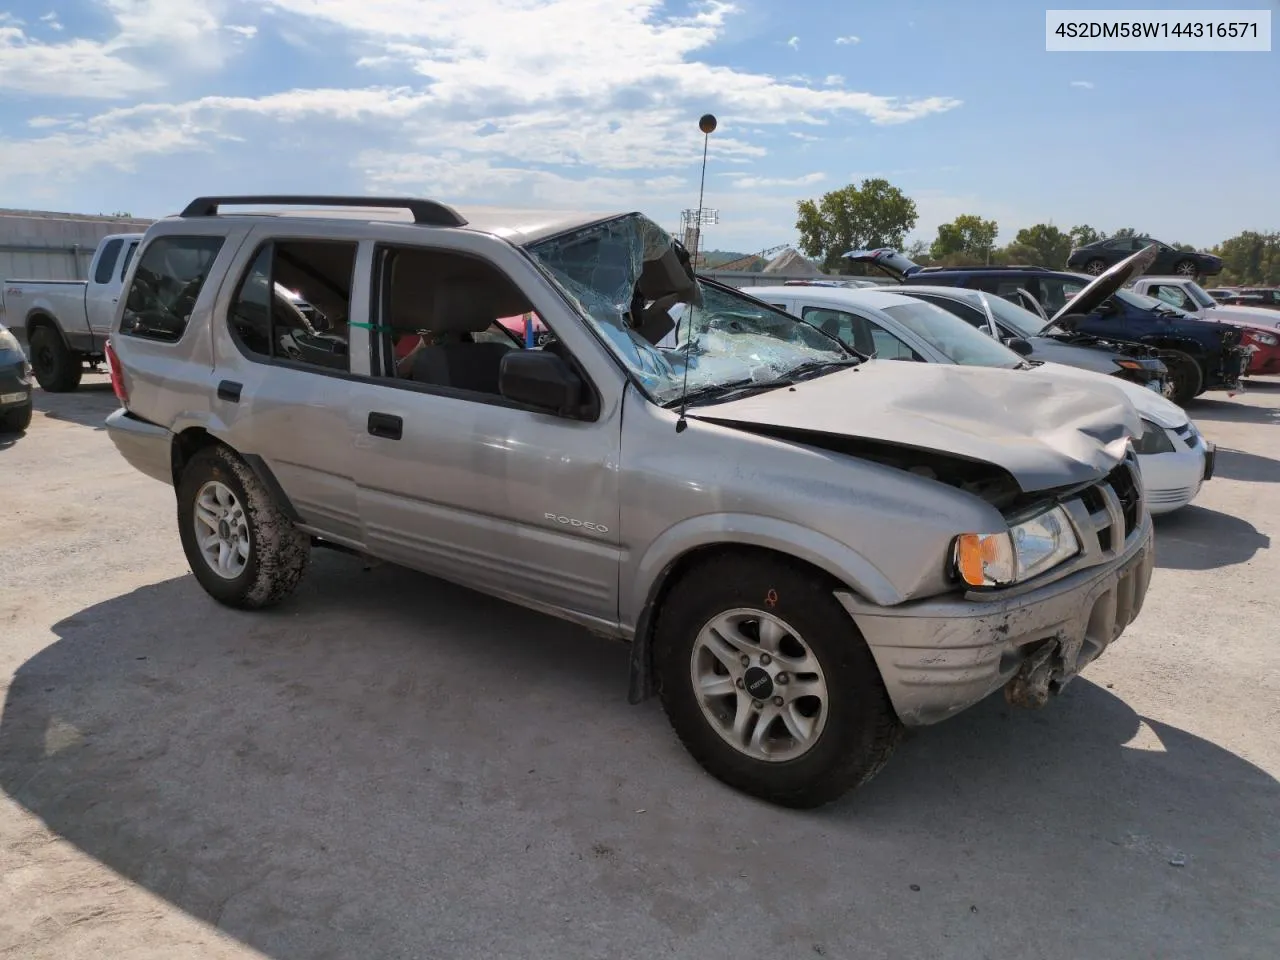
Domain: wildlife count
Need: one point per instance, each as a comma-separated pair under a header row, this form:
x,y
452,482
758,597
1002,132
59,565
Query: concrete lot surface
x,y
389,767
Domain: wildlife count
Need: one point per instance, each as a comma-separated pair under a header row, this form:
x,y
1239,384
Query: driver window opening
x,y
447,320
294,303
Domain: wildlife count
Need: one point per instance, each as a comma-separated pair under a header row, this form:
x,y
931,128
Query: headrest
x,y
471,305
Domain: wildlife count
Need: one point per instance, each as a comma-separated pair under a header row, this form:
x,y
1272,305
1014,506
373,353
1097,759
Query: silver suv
x,y
807,549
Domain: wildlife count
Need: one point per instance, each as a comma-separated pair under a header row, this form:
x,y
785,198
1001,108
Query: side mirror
x,y
541,380
1020,346
1107,306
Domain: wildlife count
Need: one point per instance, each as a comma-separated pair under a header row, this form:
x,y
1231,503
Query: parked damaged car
x,y
807,551
1199,356
893,323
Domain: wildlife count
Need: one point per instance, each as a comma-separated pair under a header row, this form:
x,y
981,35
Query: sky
x,y
140,105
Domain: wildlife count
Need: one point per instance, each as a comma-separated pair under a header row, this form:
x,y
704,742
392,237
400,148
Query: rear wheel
x,y
57,368
1185,381
1185,268
769,684
1095,267
16,420
241,547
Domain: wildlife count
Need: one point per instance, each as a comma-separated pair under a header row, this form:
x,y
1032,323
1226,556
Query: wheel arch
x,y
40,317
665,564
191,440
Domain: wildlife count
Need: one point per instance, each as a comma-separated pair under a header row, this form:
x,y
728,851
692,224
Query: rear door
x,y
286,321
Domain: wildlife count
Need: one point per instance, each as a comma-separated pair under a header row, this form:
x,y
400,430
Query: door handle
x,y
386,425
229,390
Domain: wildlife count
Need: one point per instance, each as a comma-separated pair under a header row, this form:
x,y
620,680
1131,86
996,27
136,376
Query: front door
x,y
457,481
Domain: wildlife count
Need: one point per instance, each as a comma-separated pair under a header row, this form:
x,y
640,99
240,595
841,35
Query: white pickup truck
x,y
66,321
1183,293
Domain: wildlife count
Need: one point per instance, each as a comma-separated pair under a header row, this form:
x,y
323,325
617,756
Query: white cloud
x,y
50,19
78,67
247,31
748,182
1083,84
806,137
833,80
843,41
794,43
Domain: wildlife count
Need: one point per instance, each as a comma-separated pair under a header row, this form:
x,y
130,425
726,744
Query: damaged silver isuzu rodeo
x,y
807,549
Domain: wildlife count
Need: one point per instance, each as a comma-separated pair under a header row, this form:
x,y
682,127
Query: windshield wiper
x,y
720,391
814,368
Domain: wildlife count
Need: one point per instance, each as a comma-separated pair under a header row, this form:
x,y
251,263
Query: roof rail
x,y
990,266
425,212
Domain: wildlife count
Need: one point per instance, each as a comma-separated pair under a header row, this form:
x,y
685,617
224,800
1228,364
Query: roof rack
x,y
425,212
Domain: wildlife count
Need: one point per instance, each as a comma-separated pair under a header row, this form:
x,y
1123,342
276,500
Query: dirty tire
x,y
15,421
1184,375
861,729
57,368
278,551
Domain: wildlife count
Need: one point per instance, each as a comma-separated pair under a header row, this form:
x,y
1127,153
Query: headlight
x,y
8,341
1265,339
1153,440
1027,550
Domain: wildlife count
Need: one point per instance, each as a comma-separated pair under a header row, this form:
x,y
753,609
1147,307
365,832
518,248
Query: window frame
x,y
131,250
177,235
381,349
288,362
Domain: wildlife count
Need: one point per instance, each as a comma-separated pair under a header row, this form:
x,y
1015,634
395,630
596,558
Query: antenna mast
x,y
707,124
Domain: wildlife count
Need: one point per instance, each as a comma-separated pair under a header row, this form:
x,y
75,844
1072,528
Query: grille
x,y
1124,484
1114,507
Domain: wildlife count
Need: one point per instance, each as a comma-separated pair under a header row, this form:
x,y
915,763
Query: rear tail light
x,y
117,375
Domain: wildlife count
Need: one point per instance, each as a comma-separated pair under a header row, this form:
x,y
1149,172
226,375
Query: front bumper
x,y
939,657
147,447
1172,480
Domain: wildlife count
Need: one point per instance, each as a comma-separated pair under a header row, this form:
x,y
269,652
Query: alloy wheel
x,y
759,685
222,530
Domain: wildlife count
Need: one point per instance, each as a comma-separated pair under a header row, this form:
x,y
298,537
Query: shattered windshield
x,y
635,286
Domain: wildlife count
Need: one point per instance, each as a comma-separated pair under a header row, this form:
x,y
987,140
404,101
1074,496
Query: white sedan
x,y
1174,458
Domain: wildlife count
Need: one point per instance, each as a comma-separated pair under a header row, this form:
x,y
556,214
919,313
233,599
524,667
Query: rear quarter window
x,y
166,285
107,261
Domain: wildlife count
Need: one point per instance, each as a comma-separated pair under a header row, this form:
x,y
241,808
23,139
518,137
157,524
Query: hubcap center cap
x,y
224,530
758,683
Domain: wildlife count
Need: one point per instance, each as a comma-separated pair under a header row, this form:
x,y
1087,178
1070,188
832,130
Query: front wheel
x,y
1185,381
1185,268
16,420
769,684
239,544
1095,267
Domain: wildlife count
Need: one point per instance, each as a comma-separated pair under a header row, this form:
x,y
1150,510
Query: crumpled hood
x,y
1146,401
1046,432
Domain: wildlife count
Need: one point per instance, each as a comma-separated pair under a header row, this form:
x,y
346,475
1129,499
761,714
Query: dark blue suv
x,y
1200,355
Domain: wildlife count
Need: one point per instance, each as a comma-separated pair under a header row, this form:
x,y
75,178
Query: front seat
x,y
458,309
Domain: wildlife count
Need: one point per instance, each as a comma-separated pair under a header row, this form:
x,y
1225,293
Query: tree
x,y
1084,235
1023,254
1250,257
1127,232
968,234
875,214
917,251
1051,245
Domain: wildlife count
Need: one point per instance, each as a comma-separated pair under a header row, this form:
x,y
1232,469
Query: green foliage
x,y
1020,253
1046,244
968,234
1084,235
874,214
1249,258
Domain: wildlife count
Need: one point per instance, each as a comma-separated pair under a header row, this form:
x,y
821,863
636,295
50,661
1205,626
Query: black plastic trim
x,y
425,212
276,492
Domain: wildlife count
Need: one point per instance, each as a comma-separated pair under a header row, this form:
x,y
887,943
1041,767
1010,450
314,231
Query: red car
x,y
1264,342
